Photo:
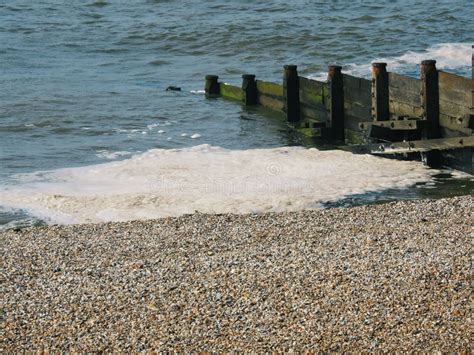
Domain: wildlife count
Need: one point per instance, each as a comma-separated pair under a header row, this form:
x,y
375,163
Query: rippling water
x,y
84,82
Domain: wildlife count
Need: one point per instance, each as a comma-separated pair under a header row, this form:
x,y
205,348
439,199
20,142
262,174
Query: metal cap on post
x,y
249,86
336,102
212,85
380,92
291,92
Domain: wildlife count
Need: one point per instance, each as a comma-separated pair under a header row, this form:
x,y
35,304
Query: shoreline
x,y
392,276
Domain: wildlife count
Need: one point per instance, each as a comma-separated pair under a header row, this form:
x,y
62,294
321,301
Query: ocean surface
x,y
83,87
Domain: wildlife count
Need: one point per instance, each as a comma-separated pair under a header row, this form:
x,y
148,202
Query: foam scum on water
x,y
395,276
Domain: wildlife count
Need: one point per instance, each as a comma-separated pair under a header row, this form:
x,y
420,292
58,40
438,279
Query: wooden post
x,y
380,96
249,86
471,116
291,93
430,108
212,85
336,102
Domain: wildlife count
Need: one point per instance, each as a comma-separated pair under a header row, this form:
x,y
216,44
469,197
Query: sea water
x,y
88,131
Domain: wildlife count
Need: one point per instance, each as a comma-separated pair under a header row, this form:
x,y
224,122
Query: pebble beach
x,y
389,277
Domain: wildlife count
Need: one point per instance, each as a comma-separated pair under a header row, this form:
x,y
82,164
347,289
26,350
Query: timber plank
x,y
357,90
413,146
231,92
311,98
311,85
352,122
270,89
459,124
454,96
356,109
311,91
403,109
454,83
319,113
400,125
453,109
404,89
406,83
271,102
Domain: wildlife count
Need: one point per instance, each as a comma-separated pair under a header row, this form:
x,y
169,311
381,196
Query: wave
x,y
208,179
448,56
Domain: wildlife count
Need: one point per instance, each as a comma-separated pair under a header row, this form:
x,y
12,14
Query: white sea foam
x,y
448,56
105,154
152,126
208,179
195,135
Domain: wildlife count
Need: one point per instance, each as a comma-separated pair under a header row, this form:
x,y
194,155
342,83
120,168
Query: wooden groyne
x,y
431,118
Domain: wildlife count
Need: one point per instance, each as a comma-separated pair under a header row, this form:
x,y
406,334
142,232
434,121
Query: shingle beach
x,y
396,276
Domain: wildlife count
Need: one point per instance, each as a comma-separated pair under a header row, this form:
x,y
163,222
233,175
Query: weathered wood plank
x,y
311,85
356,109
413,146
404,109
459,124
407,83
455,88
401,125
453,109
318,113
460,159
404,89
311,98
352,122
270,89
231,92
357,90
311,91
454,96
271,102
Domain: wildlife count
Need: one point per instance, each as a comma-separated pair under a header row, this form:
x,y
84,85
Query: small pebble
x,y
395,277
